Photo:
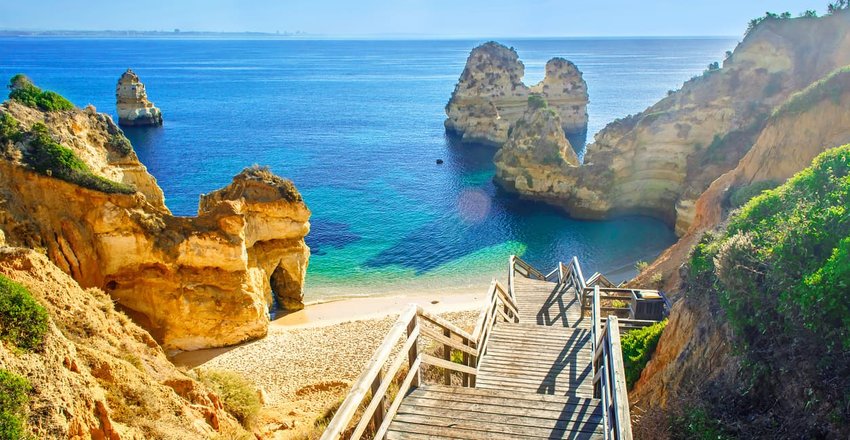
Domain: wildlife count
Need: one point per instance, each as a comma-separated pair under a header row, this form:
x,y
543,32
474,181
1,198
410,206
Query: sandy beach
x,y
310,358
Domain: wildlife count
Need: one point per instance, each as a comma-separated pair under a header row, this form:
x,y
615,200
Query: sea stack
x,y
532,162
490,95
134,109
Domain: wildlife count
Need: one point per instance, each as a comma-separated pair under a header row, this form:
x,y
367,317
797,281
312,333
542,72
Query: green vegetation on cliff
x,y
830,87
23,321
638,346
47,156
14,394
27,93
781,272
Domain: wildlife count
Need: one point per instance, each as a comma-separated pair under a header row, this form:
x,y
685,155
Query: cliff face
x,y
694,348
660,161
490,95
807,124
98,374
132,101
196,282
532,160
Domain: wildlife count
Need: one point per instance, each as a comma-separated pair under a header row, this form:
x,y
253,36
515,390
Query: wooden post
x,y
447,355
378,417
413,353
466,362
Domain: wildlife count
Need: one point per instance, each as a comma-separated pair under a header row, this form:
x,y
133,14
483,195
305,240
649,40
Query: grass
x,y
694,423
14,395
23,321
27,93
238,395
830,87
48,157
638,346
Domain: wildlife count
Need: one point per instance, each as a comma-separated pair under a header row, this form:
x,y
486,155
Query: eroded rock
x,y
132,101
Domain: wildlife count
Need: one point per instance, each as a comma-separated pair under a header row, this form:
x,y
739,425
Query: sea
x,y
358,126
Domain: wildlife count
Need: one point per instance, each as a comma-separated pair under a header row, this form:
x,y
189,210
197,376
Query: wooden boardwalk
x,y
535,380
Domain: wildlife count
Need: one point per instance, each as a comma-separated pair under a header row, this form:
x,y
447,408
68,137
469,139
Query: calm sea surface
x,y
358,125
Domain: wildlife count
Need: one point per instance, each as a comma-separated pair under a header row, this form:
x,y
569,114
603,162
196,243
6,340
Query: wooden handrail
x,y
609,380
378,376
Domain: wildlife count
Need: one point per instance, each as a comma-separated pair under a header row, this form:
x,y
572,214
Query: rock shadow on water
x,y
325,233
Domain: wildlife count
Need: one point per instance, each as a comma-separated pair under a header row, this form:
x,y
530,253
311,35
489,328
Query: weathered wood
x,y
447,356
362,386
445,339
436,319
377,405
449,365
413,352
402,391
620,393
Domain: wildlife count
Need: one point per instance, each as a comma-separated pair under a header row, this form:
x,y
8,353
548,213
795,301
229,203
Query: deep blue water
x,y
358,125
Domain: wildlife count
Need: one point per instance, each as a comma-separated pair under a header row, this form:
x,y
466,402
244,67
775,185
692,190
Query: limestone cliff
x,y
808,123
531,162
694,348
659,161
99,375
132,102
196,282
490,95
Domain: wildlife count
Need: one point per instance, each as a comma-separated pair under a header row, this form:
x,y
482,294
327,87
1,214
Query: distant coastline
x,y
176,33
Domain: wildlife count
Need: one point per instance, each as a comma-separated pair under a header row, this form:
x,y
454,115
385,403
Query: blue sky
x,y
441,18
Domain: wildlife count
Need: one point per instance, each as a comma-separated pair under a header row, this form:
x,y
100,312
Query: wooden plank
x,y
441,338
436,319
419,429
449,365
620,393
451,424
542,399
531,418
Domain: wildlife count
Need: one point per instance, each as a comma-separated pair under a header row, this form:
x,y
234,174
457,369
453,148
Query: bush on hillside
x,y
23,321
10,130
47,156
638,346
27,93
781,272
238,395
536,101
14,396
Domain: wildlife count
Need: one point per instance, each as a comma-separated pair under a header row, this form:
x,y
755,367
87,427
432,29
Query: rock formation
x,y
132,101
99,375
490,95
531,162
197,282
659,161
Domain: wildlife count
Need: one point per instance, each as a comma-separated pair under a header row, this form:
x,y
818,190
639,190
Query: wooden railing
x,y
411,330
609,379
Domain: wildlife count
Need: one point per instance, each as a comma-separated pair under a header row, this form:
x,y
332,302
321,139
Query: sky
x,y
426,18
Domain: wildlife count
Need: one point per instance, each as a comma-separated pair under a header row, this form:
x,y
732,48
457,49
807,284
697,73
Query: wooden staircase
x,y
535,367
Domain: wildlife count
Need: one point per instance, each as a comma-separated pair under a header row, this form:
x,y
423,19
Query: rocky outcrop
x,y
531,162
194,282
132,101
99,375
659,161
490,95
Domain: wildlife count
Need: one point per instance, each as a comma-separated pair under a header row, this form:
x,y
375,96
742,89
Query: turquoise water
x,y
357,125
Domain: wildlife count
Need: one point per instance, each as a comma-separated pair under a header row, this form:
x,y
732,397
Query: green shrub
x,y
238,395
830,87
27,93
10,130
120,143
23,321
536,101
47,156
14,395
638,346
781,273
743,194
694,423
